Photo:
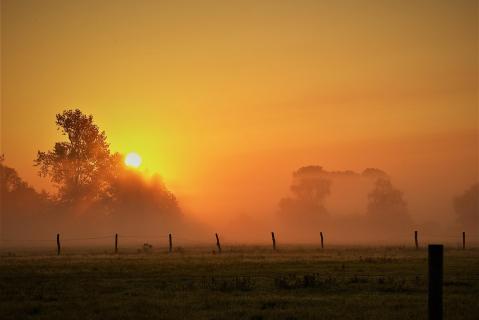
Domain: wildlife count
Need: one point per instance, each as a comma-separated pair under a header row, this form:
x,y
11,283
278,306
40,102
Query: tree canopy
x,y
384,199
309,189
82,165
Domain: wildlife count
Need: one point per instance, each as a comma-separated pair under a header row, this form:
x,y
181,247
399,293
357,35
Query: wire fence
x,y
461,240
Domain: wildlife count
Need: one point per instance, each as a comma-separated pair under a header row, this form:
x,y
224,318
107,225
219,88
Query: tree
x,y
386,204
134,194
15,189
374,173
10,181
467,208
310,187
82,165
20,205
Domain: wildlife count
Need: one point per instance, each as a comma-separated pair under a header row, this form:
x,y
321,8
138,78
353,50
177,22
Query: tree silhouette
x,y
130,193
80,166
467,208
310,187
20,204
10,181
387,212
386,203
374,173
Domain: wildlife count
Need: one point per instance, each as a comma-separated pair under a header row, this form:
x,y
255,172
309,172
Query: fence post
x,y
170,249
435,257
463,240
322,240
58,244
274,241
116,242
218,243
415,240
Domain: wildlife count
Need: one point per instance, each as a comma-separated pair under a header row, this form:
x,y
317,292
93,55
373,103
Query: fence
x,y
169,239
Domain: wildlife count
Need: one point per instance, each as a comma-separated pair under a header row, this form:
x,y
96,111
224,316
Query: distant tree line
x,y
386,210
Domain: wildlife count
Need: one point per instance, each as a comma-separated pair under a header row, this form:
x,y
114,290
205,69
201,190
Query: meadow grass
x,y
244,282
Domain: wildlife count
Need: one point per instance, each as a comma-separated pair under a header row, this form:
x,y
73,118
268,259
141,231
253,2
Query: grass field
x,y
244,282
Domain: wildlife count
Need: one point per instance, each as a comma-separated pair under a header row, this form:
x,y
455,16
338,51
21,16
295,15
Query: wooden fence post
x,y
415,240
170,249
218,243
58,244
116,242
435,257
322,240
274,241
463,240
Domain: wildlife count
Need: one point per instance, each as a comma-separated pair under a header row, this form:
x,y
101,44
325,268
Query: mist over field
x,y
348,207
366,207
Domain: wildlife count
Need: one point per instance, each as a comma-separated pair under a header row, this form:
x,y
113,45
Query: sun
x,y
133,159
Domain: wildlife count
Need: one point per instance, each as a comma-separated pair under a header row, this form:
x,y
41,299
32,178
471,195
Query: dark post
x,y
435,256
322,240
274,240
463,240
171,244
218,243
415,240
116,242
58,244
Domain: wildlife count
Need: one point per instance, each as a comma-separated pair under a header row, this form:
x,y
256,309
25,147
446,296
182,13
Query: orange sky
x,y
226,98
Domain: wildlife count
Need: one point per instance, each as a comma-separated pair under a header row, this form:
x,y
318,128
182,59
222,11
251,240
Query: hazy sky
x,y
226,98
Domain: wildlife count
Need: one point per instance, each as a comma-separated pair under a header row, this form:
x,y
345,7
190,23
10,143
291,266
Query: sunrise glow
x,y
133,159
